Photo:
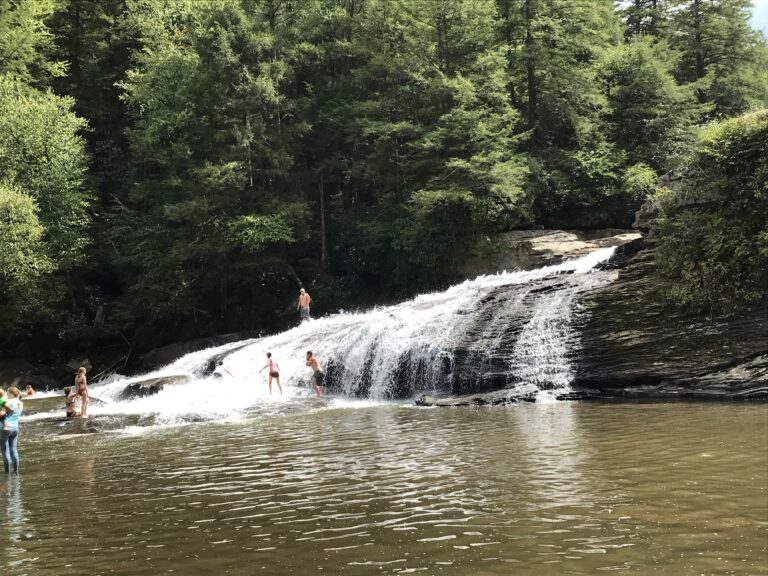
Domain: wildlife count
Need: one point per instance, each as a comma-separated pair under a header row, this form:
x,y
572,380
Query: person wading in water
x,y
303,306
81,385
317,377
9,437
274,372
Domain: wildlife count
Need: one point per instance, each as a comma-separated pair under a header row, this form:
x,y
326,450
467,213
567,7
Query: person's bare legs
x,y
279,387
319,390
270,385
84,407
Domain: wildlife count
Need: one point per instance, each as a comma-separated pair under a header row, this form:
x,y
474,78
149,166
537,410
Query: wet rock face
x,y
524,393
152,386
19,373
529,249
633,345
167,354
625,342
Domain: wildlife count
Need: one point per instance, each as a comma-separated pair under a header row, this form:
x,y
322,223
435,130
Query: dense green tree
x,y
645,17
92,39
211,135
713,240
24,263
554,46
26,43
42,166
649,114
722,56
433,152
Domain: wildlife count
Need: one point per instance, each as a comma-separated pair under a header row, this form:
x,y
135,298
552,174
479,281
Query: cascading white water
x,y
451,340
540,355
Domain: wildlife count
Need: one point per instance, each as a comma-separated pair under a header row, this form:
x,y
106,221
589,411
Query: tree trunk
x,y
530,64
223,296
323,235
697,35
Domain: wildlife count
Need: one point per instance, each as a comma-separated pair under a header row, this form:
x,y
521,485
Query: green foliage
x,y
650,115
44,232
713,241
722,57
638,183
24,263
645,17
26,43
22,255
438,231
254,233
43,155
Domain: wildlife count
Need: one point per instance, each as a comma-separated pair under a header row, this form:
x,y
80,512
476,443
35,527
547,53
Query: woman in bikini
x,y
70,402
81,385
274,372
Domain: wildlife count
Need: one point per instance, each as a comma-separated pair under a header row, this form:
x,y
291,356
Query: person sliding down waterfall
x,y
274,372
219,371
303,306
317,376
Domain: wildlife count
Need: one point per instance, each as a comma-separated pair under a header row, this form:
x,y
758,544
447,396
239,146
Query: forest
x,y
178,168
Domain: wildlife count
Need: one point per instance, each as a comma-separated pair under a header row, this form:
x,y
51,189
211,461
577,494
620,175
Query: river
x,y
304,486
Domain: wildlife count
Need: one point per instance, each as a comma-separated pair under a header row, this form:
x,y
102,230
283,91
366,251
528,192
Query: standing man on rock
x,y
317,373
303,306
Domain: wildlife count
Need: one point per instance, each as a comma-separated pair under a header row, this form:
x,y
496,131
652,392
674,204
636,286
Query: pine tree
x,y
650,115
721,55
645,18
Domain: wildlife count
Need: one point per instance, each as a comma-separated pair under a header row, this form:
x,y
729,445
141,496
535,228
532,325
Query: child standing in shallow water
x,y
3,401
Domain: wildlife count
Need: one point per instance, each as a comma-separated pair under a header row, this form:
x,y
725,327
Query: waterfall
x,y
509,330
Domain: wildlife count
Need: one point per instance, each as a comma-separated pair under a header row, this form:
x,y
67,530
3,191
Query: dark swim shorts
x,y
304,312
274,374
319,378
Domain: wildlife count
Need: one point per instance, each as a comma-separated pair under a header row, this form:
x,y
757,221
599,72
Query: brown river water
x,y
364,488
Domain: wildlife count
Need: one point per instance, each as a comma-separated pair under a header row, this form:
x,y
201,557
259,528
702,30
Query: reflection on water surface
x,y
564,488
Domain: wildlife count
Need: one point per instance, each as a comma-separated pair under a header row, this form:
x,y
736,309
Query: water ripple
x,y
546,489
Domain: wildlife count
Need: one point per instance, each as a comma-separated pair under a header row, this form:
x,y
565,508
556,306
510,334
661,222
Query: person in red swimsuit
x,y
274,372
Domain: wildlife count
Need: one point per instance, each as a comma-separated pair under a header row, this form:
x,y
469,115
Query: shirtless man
x,y
303,306
81,385
317,377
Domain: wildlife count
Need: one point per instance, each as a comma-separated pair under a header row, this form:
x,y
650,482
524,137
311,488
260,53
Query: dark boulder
x,y
167,354
151,386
